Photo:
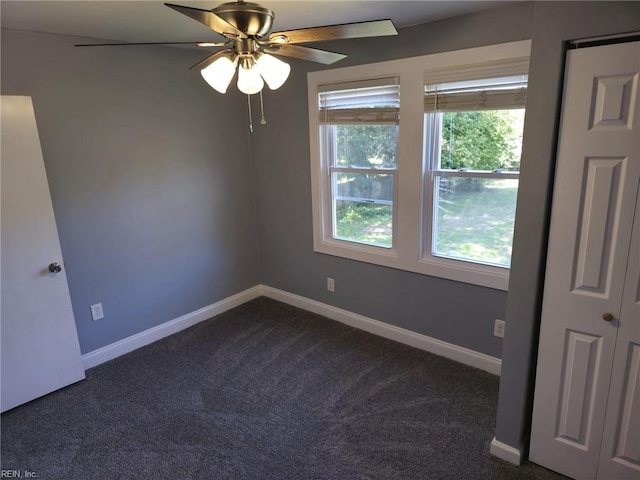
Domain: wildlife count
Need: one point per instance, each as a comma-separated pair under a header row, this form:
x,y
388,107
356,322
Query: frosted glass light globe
x,y
274,71
249,79
219,73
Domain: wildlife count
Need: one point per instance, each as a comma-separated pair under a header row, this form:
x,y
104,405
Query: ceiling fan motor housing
x,y
251,18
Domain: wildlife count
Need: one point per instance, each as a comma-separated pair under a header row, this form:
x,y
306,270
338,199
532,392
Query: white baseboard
x,y
417,340
505,452
129,344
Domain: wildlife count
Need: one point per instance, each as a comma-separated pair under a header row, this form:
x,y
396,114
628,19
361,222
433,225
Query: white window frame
x,y
328,151
412,194
433,168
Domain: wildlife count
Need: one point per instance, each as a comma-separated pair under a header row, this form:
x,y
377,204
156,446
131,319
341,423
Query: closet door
x,y
595,191
620,455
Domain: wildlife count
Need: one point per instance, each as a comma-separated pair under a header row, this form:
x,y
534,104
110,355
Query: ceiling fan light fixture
x,y
220,73
249,79
274,71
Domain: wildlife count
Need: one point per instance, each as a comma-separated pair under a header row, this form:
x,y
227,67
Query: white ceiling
x,y
151,21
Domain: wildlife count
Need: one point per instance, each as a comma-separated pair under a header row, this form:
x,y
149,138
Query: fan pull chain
x,y
250,119
263,121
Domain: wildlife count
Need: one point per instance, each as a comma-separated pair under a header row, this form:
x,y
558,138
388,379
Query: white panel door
x,y
620,454
39,343
596,186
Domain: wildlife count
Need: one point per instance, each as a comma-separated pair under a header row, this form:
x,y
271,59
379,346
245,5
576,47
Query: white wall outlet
x,y
331,284
96,312
498,328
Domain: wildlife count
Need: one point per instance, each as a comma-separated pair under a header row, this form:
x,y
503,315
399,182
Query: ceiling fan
x,y
251,46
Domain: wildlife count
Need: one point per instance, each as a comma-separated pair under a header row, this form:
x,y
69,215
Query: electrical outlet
x,y
331,284
498,328
96,312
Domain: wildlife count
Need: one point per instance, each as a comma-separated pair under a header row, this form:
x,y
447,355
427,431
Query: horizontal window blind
x,y
369,101
485,70
352,116
469,100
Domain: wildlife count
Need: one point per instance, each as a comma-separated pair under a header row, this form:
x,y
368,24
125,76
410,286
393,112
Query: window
x,y
415,162
473,141
359,137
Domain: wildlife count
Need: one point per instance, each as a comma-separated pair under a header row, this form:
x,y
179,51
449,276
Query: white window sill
x,y
457,270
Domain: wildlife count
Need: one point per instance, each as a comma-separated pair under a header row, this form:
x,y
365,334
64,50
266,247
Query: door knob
x,y
607,317
55,268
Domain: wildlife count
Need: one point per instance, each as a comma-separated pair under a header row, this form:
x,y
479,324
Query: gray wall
x,y
150,173
554,23
454,312
150,179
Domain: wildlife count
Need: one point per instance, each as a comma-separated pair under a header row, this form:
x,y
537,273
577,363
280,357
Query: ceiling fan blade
x,y
211,20
199,44
205,62
305,53
375,28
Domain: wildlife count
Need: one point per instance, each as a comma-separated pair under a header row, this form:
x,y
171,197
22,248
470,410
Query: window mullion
x,y
410,154
372,171
430,196
476,174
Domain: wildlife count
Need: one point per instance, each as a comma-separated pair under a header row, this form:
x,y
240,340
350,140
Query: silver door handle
x,y
55,267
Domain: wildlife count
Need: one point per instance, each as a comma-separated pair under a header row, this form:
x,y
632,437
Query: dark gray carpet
x,y
266,391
